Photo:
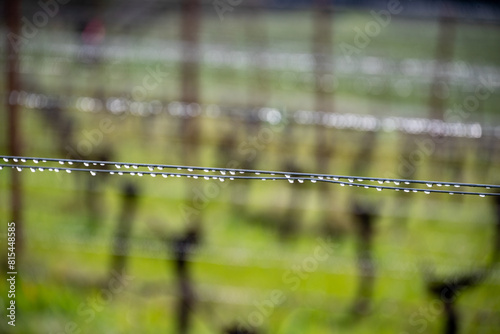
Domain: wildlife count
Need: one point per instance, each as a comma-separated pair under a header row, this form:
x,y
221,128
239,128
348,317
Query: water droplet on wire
x,y
92,173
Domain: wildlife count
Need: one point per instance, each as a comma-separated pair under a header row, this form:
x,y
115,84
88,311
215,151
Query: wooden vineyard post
x,y
256,31
406,170
440,89
289,225
444,54
447,291
323,73
190,128
365,230
123,229
258,89
93,197
12,18
496,243
364,157
182,247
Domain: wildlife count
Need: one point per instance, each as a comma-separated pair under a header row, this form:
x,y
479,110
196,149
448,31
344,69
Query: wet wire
x,y
138,169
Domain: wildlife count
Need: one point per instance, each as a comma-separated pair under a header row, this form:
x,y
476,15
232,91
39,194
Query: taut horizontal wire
x,y
259,174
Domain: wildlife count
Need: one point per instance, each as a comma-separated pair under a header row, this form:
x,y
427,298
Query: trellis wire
x,y
137,170
343,121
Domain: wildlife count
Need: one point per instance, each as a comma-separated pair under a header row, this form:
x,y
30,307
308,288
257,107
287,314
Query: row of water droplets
x,y
231,174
